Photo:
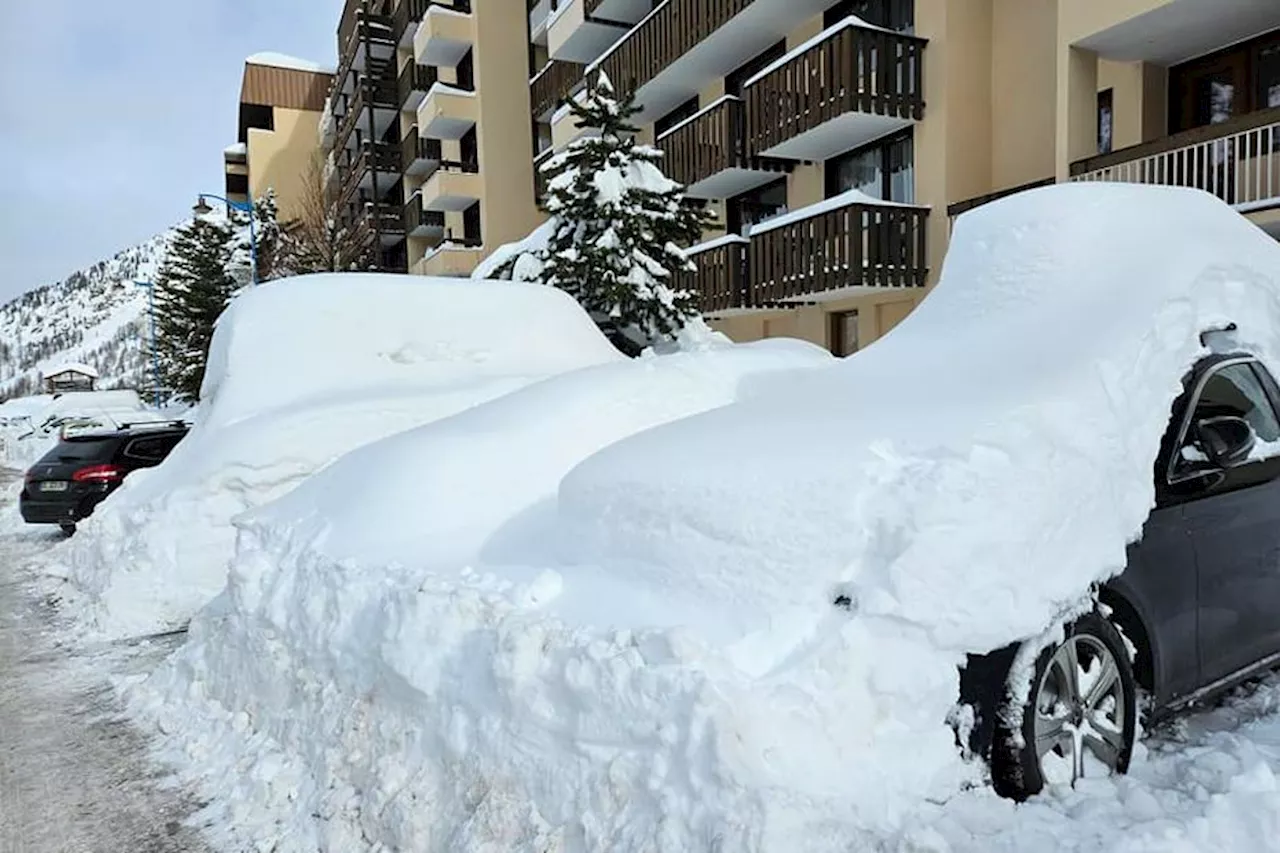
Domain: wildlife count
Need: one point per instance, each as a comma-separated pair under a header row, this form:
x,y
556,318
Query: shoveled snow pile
x,y
300,372
654,661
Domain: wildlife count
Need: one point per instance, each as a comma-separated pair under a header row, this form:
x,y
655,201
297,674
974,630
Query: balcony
x,y
371,109
684,45
553,85
445,34
413,84
583,29
539,17
453,187
721,276
1237,160
374,164
382,220
419,157
707,153
419,222
847,86
370,37
407,15
454,258
844,246
448,112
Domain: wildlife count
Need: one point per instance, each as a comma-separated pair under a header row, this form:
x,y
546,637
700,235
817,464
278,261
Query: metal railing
x,y
1237,160
855,69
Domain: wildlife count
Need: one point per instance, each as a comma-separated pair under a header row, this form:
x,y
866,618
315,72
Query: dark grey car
x,y
1195,612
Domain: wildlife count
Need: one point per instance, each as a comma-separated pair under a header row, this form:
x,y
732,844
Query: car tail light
x,y
99,474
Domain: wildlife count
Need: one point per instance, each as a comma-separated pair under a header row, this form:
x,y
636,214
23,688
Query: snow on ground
x,y
657,664
301,371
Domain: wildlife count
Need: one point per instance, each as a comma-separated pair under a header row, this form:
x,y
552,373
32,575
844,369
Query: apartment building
x,y
281,100
837,139
426,132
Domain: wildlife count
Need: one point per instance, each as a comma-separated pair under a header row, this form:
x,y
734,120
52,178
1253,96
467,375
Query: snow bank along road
x,y
74,775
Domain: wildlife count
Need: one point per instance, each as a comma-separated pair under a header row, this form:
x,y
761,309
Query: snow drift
x,y
675,676
301,371
30,426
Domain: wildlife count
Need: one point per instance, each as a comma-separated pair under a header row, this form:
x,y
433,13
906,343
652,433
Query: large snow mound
x,y
663,668
301,371
444,495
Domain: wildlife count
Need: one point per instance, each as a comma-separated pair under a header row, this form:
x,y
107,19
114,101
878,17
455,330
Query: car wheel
x,y
1079,719
68,529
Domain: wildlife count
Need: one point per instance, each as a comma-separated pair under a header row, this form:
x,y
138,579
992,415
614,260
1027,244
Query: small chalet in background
x,y
70,377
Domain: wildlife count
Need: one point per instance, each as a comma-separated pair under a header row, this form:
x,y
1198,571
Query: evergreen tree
x,y
192,288
269,242
617,227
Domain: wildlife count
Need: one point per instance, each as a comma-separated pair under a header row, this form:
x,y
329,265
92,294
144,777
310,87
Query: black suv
x,y
77,475
1195,612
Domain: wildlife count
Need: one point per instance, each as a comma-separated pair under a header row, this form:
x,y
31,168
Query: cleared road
x,y
75,777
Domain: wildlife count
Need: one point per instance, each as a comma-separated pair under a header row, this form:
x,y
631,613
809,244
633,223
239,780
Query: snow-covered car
x,y
1195,612
749,629
301,371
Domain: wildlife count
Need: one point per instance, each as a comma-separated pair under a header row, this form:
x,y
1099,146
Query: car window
x,y
81,450
152,448
1230,391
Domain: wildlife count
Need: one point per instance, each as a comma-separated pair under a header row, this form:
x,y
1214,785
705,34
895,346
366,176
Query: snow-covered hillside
x,y
96,316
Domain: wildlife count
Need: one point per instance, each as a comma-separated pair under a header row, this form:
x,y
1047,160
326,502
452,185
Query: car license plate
x,y
53,486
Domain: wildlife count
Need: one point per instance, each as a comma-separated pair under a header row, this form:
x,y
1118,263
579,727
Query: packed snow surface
x,y
301,371
654,661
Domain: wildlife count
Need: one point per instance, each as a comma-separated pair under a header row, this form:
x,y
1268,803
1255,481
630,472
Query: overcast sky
x,y
114,114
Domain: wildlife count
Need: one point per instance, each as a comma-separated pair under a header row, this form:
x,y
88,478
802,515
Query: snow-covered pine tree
x,y
617,227
270,263
192,288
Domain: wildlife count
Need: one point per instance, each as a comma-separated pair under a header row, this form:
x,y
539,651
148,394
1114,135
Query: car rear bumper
x,y
64,508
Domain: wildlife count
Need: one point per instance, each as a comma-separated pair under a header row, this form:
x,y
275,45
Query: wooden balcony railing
x,y
854,70
414,78
383,158
1237,160
367,29
864,245
407,14
553,85
954,210
663,37
720,279
415,149
380,94
708,144
415,217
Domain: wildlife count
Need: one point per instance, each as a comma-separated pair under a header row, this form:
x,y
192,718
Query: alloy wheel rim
x,y
1079,712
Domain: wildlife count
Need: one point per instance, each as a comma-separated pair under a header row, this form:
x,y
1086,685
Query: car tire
x,y
68,529
1079,718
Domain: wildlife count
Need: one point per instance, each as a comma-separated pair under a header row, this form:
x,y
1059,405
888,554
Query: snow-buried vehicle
x,y
666,668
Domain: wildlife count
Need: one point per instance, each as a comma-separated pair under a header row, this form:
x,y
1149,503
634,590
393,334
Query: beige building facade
x,y
837,140
281,101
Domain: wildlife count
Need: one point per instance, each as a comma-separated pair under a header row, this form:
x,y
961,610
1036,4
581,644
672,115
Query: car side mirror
x,y
1226,440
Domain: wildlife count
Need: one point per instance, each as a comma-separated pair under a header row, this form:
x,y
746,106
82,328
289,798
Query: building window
x,y
256,117
1242,79
1105,121
753,66
469,149
743,211
471,225
844,333
884,170
466,72
237,184
897,15
686,110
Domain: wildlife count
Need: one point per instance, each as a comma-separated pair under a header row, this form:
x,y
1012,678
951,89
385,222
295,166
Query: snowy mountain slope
x,y
96,316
